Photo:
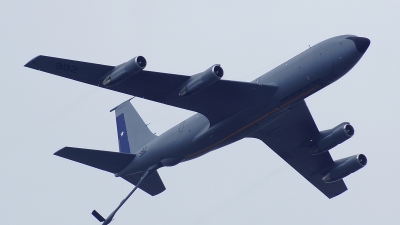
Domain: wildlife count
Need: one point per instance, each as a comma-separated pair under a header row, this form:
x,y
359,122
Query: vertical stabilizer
x,y
132,131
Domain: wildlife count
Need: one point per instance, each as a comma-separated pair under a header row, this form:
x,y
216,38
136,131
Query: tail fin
x,y
132,131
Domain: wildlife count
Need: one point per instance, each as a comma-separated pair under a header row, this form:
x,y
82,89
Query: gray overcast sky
x,y
244,183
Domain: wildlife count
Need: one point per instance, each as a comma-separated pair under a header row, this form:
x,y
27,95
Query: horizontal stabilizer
x,y
112,162
153,185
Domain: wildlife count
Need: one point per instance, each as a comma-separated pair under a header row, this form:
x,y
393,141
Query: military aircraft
x,y
270,108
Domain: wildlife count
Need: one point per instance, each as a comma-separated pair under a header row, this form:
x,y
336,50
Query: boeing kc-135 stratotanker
x,y
270,108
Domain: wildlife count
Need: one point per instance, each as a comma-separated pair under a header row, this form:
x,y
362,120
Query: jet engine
x,y
344,167
200,81
125,70
331,138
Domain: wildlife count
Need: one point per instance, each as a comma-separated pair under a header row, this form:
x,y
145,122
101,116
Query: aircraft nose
x,y
362,43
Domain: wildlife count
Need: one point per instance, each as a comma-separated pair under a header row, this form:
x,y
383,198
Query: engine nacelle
x,y
202,80
331,138
122,72
344,167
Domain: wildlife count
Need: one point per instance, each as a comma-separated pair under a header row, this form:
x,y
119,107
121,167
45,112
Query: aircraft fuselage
x,y
296,79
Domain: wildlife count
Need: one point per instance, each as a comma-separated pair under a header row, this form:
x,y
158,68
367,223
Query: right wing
x,y
217,102
290,137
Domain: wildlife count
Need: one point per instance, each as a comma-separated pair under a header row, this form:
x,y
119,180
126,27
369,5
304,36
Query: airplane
x,y
271,108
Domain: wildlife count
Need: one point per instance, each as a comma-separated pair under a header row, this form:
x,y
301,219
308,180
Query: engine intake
x,y
344,167
124,71
331,138
200,81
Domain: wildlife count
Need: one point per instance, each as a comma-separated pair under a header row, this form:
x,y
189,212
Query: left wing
x,y
290,136
217,102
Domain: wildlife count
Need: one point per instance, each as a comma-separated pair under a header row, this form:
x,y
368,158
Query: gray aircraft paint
x,y
283,90
132,132
323,62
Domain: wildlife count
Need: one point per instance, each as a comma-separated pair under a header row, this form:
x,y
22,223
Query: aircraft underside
x,y
271,108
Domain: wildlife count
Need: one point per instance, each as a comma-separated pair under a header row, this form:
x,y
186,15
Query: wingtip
x,y
32,63
333,195
59,152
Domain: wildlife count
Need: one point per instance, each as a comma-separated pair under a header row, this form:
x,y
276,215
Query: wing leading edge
x,y
290,136
217,102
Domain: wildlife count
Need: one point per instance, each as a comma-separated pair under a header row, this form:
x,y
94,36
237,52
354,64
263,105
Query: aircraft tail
x,y
113,162
132,131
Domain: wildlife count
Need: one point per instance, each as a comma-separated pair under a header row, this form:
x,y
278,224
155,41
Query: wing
x,y
216,102
84,72
290,137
